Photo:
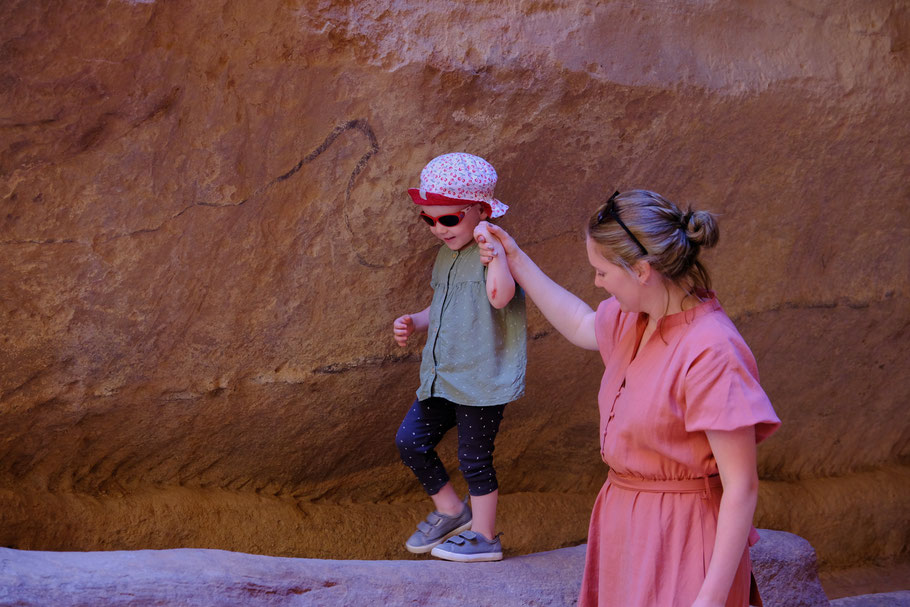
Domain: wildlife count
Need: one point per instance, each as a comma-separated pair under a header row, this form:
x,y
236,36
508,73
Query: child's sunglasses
x,y
450,221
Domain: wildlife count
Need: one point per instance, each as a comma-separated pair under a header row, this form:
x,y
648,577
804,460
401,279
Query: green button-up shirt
x,y
475,354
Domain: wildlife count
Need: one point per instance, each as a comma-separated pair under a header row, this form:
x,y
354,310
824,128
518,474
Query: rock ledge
x,y
784,567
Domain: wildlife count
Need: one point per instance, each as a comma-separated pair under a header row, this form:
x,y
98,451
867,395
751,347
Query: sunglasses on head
x,y
449,220
611,211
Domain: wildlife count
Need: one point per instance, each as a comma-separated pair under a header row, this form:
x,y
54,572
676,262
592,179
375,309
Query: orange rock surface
x,y
205,237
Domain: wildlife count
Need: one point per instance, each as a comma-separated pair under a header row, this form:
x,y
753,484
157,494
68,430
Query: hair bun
x,y
701,228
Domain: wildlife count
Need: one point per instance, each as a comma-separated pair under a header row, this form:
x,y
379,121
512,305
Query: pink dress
x,y
651,549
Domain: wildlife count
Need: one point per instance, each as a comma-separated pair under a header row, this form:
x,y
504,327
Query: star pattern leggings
x,y
426,423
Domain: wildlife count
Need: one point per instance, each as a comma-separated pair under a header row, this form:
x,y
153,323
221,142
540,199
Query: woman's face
x,y
615,280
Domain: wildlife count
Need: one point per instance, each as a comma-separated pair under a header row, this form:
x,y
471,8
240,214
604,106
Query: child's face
x,y
461,235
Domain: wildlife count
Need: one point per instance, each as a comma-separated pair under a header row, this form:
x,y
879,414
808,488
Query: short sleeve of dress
x,y
722,392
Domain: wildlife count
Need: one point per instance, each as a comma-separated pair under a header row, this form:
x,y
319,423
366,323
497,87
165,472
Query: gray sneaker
x,y
438,528
470,547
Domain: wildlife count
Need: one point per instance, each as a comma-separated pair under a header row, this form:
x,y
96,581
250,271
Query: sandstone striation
x,y
204,238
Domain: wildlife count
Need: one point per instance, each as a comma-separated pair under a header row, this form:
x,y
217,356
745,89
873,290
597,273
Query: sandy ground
x,y
866,580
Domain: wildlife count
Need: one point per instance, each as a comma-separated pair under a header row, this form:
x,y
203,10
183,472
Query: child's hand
x,y
402,329
490,247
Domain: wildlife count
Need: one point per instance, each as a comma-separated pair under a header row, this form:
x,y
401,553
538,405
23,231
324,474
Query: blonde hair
x,y
671,238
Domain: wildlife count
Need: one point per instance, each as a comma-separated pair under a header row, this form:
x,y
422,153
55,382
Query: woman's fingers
x,y
508,243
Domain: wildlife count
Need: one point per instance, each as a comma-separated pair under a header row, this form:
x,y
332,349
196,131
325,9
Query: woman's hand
x,y
487,236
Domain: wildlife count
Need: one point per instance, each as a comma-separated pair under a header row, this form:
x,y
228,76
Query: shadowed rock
x,y
786,570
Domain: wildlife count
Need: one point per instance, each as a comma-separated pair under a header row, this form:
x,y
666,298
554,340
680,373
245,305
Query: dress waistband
x,y
689,485
701,485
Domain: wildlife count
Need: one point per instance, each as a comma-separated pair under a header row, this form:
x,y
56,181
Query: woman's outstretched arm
x,y
566,312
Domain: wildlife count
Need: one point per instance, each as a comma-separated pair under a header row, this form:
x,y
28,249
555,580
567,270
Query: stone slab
x,y
784,568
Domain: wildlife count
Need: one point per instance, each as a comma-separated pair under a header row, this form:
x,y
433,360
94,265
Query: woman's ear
x,y
643,271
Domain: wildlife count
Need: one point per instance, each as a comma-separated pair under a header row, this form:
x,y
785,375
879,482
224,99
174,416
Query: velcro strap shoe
x,y
469,547
438,528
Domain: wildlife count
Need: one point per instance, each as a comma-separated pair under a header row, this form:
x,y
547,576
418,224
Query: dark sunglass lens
x,y
449,221
428,219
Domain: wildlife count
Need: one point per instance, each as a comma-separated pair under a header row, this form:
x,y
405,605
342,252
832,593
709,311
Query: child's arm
x,y
407,324
500,284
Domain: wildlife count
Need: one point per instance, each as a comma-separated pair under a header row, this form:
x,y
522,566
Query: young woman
x,y
681,409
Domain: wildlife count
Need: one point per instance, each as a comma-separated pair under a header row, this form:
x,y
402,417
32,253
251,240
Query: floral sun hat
x,y
458,178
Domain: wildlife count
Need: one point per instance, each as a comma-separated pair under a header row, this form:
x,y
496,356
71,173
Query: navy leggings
x,y
426,423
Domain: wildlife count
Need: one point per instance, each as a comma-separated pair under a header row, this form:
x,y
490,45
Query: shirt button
x,y
454,255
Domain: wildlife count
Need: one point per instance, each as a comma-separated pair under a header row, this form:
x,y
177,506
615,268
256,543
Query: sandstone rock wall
x,y
204,239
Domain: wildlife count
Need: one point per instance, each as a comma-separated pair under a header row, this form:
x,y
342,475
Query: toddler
x,y
473,361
